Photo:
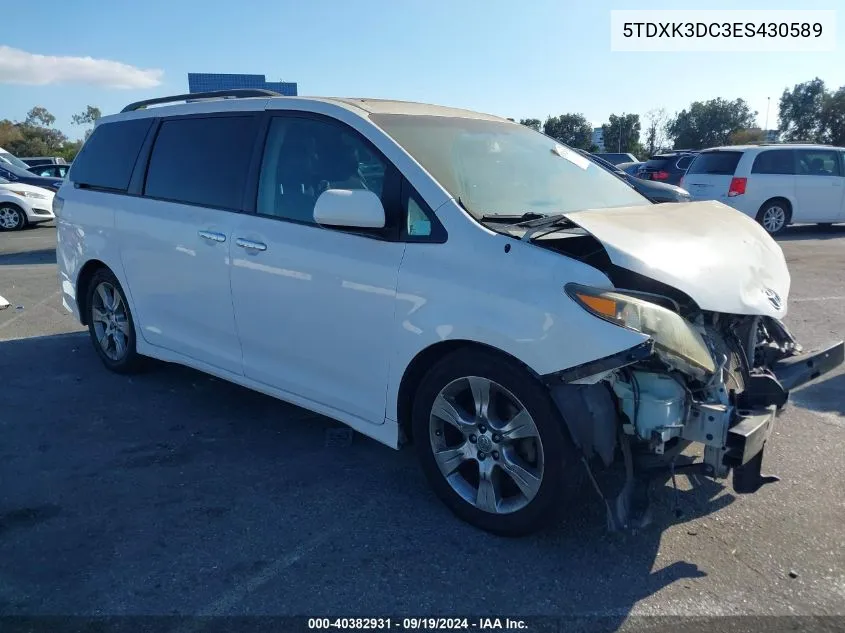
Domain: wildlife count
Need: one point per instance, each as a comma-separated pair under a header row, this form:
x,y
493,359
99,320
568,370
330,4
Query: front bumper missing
x,y
798,370
746,439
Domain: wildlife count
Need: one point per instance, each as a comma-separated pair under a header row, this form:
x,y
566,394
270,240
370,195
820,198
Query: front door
x,y
314,305
819,186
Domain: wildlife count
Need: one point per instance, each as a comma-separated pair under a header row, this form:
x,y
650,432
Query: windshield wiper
x,y
512,219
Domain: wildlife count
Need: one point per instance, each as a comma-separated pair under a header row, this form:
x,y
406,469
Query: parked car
x,y
668,168
493,298
777,185
3,303
631,168
37,161
51,171
11,159
21,205
616,158
656,192
17,175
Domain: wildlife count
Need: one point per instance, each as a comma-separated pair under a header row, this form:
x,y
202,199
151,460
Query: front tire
x,y
12,217
492,444
110,324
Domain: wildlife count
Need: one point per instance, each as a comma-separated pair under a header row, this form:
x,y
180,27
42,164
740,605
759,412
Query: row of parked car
x,y
27,187
778,184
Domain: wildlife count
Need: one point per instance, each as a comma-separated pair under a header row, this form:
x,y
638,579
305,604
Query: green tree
x,y
709,123
534,124
89,116
622,133
800,111
655,132
70,149
36,136
572,129
9,133
833,118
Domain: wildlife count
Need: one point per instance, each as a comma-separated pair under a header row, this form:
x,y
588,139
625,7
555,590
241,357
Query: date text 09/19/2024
x,y
417,624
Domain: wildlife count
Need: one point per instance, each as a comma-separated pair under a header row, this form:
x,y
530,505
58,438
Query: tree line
x,y
809,112
36,136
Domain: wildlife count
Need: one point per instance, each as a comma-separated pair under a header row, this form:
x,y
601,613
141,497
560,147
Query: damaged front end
x,y
702,377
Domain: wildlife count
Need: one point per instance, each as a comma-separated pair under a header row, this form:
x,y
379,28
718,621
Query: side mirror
x,y
349,207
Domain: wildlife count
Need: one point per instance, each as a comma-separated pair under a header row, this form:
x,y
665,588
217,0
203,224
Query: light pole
x,y
766,129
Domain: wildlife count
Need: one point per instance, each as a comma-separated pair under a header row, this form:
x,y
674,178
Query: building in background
x,y
772,136
208,82
598,138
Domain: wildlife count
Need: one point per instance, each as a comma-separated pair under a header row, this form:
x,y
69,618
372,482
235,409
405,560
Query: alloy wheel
x,y
774,218
486,445
111,322
10,218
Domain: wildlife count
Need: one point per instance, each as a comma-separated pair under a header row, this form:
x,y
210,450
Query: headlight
x,y
31,194
672,334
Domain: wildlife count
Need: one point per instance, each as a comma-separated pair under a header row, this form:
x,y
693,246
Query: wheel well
x,y
786,202
85,275
418,367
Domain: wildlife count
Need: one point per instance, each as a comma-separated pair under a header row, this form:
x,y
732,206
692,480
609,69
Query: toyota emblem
x,y
774,298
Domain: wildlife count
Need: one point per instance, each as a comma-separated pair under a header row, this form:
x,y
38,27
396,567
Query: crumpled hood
x,y
721,258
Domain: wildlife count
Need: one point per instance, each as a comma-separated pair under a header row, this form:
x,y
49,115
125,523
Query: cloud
x,y
20,67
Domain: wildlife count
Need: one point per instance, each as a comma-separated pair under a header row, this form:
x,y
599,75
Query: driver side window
x,y
304,157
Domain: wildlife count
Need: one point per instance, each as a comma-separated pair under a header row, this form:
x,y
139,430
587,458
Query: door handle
x,y
212,236
250,245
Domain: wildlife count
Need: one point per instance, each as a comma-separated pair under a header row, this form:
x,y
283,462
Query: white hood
x,y
721,258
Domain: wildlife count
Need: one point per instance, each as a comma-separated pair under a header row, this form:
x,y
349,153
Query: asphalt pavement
x,y
176,493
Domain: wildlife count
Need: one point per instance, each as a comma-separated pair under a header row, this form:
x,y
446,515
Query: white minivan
x,y
435,277
778,185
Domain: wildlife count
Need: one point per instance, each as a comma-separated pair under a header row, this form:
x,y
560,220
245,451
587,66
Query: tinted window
x,y
684,163
774,161
715,163
304,157
817,162
202,161
108,157
656,163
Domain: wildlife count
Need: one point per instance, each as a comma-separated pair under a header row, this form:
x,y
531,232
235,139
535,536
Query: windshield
x,y
499,168
3,181
13,160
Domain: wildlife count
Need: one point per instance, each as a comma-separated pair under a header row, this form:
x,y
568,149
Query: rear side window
x,y
774,161
715,163
202,161
107,159
684,162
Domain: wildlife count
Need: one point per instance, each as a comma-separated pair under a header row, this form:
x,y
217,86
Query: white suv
x,y
438,277
777,185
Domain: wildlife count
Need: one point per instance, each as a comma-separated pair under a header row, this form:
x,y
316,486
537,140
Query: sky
x,y
528,59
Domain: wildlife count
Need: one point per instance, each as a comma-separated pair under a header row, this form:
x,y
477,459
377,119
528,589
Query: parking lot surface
x,y
175,493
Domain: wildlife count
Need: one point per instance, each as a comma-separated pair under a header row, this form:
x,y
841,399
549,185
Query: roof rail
x,y
239,93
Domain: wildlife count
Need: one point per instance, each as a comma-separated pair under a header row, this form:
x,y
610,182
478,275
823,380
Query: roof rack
x,y
217,94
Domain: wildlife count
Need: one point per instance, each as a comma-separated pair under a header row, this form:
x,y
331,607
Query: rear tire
x,y
12,217
502,462
774,216
110,324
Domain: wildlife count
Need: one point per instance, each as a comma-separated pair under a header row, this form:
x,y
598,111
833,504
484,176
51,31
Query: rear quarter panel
x,y
85,230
